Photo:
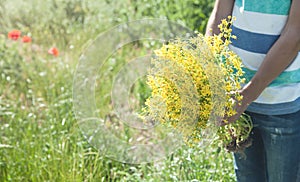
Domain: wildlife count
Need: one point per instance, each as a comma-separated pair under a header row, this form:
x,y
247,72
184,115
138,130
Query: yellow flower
x,y
197,64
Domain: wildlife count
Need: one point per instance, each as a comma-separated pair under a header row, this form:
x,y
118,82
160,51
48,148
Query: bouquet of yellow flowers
x,y
195,84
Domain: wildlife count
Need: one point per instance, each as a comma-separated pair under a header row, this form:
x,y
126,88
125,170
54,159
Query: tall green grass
x,y
39,136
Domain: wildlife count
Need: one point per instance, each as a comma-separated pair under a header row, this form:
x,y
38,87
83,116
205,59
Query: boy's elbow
x,y
297,40
293,37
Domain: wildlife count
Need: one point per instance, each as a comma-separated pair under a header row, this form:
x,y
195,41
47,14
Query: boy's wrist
x,y
251,91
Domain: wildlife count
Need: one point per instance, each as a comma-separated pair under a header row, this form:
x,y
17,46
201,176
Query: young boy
x,y
268,42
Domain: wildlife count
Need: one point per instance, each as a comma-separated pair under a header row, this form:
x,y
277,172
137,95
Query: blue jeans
x,y
275,152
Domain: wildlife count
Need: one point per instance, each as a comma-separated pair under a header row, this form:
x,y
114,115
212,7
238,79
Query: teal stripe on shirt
x,y
278,7
286,77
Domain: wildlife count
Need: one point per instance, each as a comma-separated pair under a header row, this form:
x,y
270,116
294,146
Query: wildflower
x,y
26,39
14,34
53,51
202,64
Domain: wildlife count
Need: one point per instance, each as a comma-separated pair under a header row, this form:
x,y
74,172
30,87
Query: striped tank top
x,y
258,25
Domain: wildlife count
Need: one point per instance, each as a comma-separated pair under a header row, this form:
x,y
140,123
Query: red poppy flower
x,y
26,39
53,51
14,34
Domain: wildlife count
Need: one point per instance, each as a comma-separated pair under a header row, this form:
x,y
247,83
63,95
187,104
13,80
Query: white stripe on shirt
x,y
270,24
279,94
253,60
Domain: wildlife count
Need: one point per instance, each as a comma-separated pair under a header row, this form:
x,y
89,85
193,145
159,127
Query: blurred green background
x,y
39,137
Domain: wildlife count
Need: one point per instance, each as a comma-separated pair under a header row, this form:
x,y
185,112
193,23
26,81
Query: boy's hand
x,y
239,107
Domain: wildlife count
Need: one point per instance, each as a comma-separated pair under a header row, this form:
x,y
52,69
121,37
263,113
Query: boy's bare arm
x,y
222,9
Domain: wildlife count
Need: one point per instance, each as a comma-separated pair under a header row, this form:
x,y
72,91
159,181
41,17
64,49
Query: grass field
x,y
39,136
